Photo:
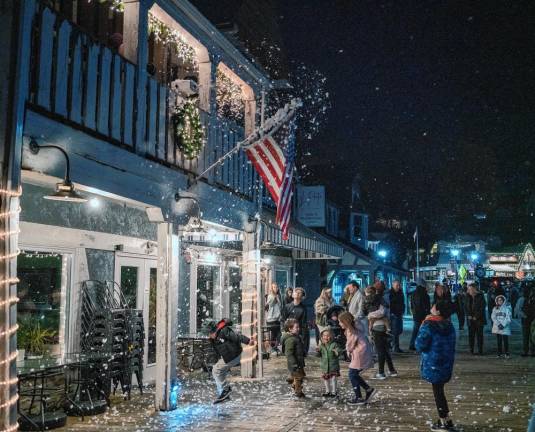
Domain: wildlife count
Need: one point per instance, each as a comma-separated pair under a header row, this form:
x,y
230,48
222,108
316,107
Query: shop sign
x,y
311,205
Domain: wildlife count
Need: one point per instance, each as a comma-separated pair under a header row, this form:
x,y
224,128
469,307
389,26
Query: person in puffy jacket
x,y
294,350
329,363
360,354
227,344
436,343
501,324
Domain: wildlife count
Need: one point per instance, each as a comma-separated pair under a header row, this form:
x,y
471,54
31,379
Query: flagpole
x,y
259,303
417,255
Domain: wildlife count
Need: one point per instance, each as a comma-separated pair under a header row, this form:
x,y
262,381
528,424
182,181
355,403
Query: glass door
x,y
137,278
209,305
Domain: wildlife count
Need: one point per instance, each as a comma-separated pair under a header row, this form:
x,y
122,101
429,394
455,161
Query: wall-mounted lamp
x,y
252,224
65,190
195,223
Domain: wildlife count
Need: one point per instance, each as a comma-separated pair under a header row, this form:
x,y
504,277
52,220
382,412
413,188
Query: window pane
x,y
281,278
129,283
38,311
208,301
151,355
234,279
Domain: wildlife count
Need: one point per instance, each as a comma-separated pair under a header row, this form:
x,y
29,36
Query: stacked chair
x,y
111,340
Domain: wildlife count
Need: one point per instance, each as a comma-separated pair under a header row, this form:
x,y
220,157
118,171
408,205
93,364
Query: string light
x,y
168,36
229,98
9,301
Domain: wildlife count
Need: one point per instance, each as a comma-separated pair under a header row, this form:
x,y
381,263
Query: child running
x,y
501,324
329,364
294,350
360,353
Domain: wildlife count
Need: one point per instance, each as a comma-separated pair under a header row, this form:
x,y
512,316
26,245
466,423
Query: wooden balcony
x,y
83,84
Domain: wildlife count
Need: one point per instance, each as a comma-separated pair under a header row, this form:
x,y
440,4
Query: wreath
x,y
188,130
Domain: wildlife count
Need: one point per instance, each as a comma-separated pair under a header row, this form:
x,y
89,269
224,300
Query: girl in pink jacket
x,y
359,351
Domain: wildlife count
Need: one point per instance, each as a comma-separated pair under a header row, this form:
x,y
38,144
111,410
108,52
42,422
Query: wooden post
x,y
165,398
17,17
135,41
249,299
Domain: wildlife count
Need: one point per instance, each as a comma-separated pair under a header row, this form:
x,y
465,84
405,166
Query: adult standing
x,y
436,343
525,309
397,308
373,308
441,293
354,304
460,300
420,308
274,315
475,314
288,296
298,311
321,306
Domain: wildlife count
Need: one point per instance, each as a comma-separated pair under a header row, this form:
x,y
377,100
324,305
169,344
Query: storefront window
x,y
281,278
208,296
129,283
151,355
234,279
39,308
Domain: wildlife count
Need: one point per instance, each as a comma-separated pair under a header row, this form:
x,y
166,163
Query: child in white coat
x,y
501,325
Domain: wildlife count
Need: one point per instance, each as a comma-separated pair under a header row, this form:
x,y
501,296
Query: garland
x,y
229,98
188,130
168,36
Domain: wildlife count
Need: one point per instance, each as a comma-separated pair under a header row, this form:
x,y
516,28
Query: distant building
x,y
514,261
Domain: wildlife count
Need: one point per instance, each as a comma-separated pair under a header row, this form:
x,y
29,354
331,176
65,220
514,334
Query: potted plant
x,y
34,338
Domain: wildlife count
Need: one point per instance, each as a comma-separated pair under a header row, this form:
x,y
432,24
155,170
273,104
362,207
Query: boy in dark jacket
x,y
227,345
475,314
293,348
436,343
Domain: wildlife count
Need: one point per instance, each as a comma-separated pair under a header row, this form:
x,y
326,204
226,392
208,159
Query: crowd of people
x,y
364,328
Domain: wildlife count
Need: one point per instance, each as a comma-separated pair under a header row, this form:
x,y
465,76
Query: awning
x,y
305,243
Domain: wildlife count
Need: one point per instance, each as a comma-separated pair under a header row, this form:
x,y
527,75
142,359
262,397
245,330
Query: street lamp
x,y
474,256
382,253
455,253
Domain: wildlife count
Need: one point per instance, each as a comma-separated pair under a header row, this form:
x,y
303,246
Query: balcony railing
x,y
83,83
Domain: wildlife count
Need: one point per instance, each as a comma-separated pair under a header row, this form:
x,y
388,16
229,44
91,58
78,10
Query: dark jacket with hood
x,y
436,343
475,307
294,350
420,304
227,343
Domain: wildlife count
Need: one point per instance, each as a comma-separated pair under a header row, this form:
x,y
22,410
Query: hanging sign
x,y
311,205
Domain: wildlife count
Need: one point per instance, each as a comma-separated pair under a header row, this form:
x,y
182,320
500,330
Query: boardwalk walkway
x,y
486,394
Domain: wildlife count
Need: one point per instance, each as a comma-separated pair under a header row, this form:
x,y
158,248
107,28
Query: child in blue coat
x,y
436,343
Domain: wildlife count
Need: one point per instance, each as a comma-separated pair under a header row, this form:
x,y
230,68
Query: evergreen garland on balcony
x,y
188,130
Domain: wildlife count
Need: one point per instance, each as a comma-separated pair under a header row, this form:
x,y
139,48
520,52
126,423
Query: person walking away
x,y
321,306
397,309
297,310
273,317
476,318
361,357
374,309
436,343
293,349
227,344
288,296
460,300
420,307
329,363
525,310
501,324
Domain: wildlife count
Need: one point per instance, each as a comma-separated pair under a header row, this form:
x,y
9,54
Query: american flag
x,y
275,164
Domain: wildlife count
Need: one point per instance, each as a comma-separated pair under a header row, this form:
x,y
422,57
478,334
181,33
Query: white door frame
x,y
144,263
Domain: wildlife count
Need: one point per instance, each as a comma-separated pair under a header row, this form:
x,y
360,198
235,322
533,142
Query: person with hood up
x,y
436,343
227,344
501,324
420,306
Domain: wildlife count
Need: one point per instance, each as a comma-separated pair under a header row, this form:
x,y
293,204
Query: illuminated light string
x,y
11,300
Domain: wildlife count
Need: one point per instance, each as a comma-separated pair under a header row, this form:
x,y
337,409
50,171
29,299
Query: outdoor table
x,y
50,388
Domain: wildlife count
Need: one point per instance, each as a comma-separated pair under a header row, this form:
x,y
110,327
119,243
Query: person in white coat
x,y
501,324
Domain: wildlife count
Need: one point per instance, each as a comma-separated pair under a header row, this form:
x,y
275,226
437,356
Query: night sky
x,y
433,106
